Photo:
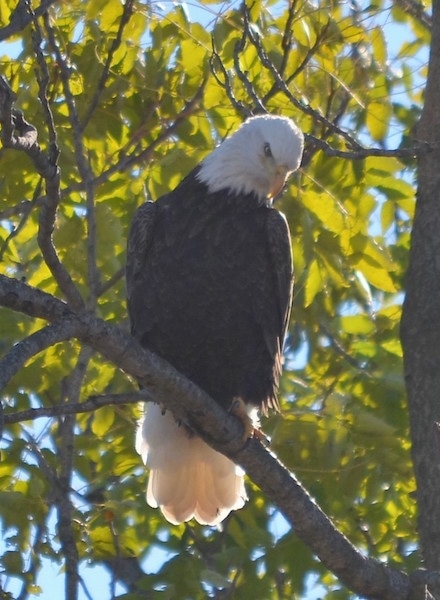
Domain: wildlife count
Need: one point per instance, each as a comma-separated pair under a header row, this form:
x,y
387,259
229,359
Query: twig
x,y
238,49
85,171
287,47
43,79
417,11
125,18
34,562
361,152
126,162
20,135
215,61
26,207
21,352
19,209
22,17
109,283
286,42
66,450
90,405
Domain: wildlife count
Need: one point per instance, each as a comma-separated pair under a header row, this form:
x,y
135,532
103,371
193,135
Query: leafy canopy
x,y
139,94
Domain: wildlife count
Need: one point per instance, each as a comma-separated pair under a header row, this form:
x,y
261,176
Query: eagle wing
x,y
139,242
274,323
280,248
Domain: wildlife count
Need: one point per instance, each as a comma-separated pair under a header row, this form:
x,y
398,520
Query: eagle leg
x,y
240,409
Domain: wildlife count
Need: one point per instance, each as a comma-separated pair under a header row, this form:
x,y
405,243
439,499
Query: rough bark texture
x,y
420,329
367,577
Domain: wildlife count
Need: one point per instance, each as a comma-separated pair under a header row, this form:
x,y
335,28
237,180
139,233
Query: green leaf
x,y
378,115
103,420
313,282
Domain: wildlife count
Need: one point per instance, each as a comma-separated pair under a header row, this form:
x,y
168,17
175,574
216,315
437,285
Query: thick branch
x,y
420,328
365,576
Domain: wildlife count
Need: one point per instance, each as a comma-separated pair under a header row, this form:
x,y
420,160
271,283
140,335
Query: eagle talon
x,y
240,410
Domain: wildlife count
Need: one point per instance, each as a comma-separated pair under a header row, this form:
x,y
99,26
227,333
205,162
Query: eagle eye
x,y
267,150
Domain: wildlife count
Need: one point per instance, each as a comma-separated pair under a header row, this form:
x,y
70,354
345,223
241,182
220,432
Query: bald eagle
x,y
209,285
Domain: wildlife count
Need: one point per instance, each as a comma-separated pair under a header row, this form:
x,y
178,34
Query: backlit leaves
x,y
342,390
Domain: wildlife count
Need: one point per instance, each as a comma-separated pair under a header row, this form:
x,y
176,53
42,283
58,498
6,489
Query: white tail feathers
x,y
187,478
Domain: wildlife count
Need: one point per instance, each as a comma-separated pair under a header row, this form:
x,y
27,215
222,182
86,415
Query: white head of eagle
x,y
257,158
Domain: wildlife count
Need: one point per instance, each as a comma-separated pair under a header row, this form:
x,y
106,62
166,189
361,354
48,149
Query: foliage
x,y
140,93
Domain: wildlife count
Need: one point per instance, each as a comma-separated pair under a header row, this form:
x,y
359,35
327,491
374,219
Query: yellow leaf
x,y
378,116
326,210
379,45
313,282
103,420
357,324
375,274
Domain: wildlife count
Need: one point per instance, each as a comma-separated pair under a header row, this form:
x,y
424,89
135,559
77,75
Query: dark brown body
x,y
209,280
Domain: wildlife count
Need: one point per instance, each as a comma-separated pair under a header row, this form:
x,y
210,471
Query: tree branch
x,y
84,168
66,450
18,134
125,18
417,11
22,17
76,408
15,359
365,576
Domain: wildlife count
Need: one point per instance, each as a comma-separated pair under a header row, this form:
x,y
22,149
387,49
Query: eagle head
x,y
257,158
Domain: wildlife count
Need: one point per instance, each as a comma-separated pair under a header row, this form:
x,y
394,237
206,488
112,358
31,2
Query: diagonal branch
x,y
15,359
22,17
367,577
417,11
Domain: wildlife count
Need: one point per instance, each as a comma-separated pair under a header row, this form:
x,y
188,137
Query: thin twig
x,y
286,41
43,78
238,49
21,352
85,171
215,62
360,152
91,405
417,11
22,17
111,281
18,134
125,18
128,161
66,451
27,207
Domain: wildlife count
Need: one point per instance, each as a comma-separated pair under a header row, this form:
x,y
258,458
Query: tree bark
x,y
420,327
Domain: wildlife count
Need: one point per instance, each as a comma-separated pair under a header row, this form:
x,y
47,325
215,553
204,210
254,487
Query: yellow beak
x,y
278,182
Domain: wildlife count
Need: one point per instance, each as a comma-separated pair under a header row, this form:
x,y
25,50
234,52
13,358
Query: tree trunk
x,y
420,328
